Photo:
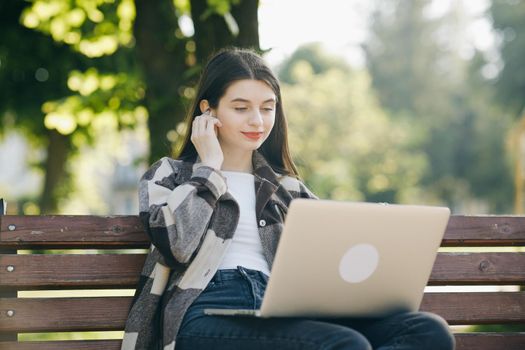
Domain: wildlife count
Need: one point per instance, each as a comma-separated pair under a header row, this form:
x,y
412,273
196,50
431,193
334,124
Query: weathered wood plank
x,y
71,271
64,314
109,313
75,231
55,231
478,269
477,307
485,231
75,271
490,341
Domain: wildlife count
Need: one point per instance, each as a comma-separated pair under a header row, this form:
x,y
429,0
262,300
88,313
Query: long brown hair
x,y
225,67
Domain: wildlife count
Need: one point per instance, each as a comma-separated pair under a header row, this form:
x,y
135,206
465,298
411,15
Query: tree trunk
x,y
58,150
245,14
161,58
211,33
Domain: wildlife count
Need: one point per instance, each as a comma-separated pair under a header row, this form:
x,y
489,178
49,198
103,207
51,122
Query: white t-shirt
x,y
245,249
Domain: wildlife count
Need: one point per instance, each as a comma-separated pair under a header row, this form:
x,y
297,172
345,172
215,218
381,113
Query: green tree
x,y
508,20
402,54
345,146
33,70
314,56
418,75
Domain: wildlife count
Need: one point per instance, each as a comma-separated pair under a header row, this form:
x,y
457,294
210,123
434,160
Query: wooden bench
x,y
108,268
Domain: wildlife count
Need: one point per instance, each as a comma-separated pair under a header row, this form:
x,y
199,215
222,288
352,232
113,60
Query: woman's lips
x,y
253,135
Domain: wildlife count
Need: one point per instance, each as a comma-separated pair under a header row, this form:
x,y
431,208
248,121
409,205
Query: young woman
x,y
214,216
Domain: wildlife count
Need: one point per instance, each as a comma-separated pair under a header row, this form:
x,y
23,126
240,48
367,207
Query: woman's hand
x,y
204,138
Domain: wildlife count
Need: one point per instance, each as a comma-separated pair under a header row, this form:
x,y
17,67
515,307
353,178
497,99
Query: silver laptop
x,y
346,259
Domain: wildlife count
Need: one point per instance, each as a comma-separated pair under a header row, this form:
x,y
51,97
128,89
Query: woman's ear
x,y
204,105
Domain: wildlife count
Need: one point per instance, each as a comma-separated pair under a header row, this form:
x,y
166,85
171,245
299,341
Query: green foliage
x,y
433,133
422,79
183,6
94,28
103,99
67,66
221,7
317,60
33,70
404,60
69,99
508,19
345,146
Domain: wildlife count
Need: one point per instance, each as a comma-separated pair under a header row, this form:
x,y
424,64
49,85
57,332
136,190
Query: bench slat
x,y
39,271
109,313
64,314
464,341
485,231
61,231
478,269
477,307
72,231
53,271
490,341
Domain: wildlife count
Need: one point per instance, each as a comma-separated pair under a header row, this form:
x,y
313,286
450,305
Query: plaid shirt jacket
x,y
190,218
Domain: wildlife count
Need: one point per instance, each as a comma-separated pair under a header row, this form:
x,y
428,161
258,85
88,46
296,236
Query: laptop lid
x,y
353,259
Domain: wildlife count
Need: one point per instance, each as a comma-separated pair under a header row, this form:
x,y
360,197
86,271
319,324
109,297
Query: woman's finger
x,y
201,124
211,123
195,127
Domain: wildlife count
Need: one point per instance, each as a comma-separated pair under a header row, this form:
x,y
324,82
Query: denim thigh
x,y
239,288
243,288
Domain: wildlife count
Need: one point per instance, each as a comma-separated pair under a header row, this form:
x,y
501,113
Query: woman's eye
x,y
268,109
240,109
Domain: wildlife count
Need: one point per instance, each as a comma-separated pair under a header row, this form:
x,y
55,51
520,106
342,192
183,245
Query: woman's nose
x,y
256,118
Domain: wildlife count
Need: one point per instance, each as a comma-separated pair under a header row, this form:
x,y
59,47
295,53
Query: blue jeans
x,y
243,288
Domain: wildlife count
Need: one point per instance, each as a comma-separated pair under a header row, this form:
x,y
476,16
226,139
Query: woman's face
x,y
247,114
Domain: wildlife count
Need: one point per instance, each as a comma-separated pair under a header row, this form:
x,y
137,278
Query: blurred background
x,y
403,101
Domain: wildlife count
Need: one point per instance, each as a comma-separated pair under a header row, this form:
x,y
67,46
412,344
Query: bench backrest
x,y
108,267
